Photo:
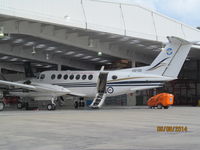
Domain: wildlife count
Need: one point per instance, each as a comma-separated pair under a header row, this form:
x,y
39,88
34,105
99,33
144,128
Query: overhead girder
x,y
22,52
69,37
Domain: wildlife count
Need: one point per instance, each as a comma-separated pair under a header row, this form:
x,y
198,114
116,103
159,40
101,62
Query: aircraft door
x,y
102,81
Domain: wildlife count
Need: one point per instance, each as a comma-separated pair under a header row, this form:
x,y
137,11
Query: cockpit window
x,y
59,76
42,76
90,77
53,76
114,77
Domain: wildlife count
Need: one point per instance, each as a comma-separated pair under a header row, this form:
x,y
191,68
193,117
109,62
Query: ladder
x,y
98,100
101,91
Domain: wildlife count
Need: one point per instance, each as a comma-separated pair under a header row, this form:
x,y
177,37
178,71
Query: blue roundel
x,y
169,51
110,90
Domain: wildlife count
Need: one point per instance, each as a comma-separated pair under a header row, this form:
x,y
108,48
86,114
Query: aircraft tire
x,y
51,107
20,105
76,104
2,106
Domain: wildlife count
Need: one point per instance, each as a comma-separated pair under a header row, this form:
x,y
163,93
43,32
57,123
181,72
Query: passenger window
x,y
71,77
59,76
77,77
114,77
42,76
90,77
66,77
84,77
53,76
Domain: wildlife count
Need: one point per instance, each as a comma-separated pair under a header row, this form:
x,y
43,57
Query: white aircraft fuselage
x,y
85,82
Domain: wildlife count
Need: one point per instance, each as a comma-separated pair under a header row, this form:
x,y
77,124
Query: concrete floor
x,y
106,129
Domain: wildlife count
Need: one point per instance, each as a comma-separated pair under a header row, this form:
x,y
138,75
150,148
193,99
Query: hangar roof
x,y
117,29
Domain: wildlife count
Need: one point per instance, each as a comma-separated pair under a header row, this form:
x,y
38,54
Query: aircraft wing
x,y
41,87
38,87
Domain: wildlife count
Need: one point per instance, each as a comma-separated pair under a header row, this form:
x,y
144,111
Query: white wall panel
x,y
47,10
102,16
191,34
167,27
139,22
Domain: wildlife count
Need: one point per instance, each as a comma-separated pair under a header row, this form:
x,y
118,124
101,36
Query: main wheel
x,y
2,106
51,107
159,106
20,105
76,105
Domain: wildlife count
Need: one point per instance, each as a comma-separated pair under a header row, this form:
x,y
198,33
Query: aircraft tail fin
x,y
170,60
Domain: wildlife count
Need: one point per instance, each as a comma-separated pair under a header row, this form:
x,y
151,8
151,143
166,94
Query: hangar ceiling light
x,y
14,59
40,46
58,51
124,39
78,55
48,66
51,48
134,42
17,41
100,53
4,57
70,53
95,59
38,65
29,44
103,61
87,57
140,45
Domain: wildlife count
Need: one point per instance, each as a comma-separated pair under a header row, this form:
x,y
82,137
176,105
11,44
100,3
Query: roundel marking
x,y
169,51
110,90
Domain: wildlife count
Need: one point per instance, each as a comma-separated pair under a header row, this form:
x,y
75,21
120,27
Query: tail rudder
x,y
170,60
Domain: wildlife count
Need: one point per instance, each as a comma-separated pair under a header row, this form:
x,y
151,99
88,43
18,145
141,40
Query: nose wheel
x,y
2,106
51,106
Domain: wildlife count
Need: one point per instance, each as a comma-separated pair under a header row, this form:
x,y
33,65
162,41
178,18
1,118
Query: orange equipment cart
x,y
162,100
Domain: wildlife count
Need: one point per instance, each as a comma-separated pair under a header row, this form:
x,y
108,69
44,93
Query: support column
x,y
131,98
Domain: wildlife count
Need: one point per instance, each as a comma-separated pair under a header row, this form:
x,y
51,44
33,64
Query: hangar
x,y
86,34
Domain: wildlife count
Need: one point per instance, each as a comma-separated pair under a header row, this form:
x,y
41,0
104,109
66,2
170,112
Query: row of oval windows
x,y
71,77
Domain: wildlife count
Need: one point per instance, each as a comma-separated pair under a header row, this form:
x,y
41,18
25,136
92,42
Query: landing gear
x,y
20,105
2,105
52,106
